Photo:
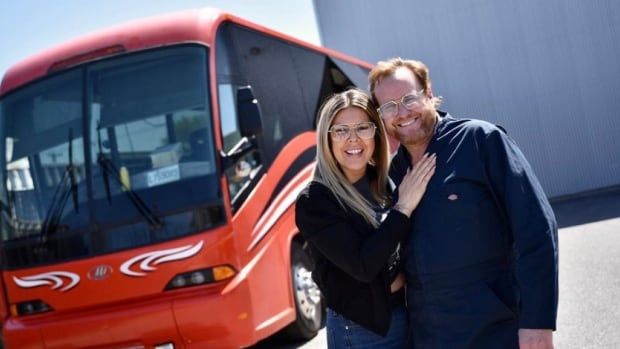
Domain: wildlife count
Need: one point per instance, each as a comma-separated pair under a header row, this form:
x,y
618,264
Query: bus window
x,y
290,83
142,171
286,80
45,158
241,174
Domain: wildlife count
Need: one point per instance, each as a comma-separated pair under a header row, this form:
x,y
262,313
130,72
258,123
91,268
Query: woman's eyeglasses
x,y
364,130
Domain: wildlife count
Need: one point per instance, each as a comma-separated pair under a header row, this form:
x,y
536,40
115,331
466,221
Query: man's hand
x,y
535,339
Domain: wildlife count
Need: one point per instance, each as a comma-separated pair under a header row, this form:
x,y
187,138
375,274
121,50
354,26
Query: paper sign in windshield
x,y
163,175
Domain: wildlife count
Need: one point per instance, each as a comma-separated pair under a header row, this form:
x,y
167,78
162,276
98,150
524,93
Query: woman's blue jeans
x,y
343,333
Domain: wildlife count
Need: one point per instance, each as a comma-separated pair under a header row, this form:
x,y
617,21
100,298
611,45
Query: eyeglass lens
x,y
363,130
409,101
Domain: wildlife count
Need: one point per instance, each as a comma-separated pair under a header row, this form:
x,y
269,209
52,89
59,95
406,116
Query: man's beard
x,y
424,133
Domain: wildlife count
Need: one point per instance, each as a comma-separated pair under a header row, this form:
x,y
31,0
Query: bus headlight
x,y
36,306
201,277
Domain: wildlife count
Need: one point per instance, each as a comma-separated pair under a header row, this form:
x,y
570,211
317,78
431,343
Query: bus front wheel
x,y
309,306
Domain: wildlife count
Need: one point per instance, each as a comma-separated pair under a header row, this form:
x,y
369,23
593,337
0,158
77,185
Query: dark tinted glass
x,y
108,156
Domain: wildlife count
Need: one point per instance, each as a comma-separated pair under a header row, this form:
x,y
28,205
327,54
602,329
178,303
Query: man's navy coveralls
x,y
481,260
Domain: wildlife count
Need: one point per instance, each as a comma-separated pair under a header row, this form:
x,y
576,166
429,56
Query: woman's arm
x,y
326,225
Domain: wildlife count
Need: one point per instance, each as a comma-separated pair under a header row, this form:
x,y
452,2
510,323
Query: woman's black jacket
x,y
350,256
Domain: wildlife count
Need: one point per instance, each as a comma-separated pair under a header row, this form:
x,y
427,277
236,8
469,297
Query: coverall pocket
x,y
454,240
463,194
503,310
472,314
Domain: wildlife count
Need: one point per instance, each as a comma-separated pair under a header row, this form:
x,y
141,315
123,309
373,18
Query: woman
x,y
352,236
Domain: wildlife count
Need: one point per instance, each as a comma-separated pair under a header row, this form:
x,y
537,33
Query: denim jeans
x,y
343,333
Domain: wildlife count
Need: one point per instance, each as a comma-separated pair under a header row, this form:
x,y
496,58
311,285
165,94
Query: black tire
x,y
309,304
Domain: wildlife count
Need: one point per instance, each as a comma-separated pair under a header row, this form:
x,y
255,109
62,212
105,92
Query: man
x,y
481,260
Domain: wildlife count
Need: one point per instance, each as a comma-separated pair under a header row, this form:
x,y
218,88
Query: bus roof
x,y
197,25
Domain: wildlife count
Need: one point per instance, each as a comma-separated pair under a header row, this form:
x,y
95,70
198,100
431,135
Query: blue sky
x,y
30,26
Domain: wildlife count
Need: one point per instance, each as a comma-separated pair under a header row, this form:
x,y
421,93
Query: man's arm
x,y
534,231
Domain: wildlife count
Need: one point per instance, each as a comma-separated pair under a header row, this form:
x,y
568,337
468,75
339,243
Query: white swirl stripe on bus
x,y
53,278
150,259
283,201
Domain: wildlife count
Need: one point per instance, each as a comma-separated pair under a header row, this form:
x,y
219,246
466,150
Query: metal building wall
x,y
548,71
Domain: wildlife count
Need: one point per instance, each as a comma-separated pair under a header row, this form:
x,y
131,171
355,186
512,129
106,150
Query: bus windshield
x,y
109,155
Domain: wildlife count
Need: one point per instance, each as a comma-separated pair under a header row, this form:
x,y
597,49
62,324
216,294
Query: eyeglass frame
x,y
350,128
419,94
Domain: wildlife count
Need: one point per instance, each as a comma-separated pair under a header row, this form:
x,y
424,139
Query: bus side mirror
x,y
248,112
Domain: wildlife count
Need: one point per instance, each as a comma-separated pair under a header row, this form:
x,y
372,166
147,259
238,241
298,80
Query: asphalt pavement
x,y
589,309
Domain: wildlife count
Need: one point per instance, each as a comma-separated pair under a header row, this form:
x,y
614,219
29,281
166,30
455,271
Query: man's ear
x,y
429,92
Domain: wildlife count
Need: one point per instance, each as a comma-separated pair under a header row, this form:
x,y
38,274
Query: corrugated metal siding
x,y
548,71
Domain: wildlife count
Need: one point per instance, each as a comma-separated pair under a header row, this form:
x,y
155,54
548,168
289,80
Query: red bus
x,y
151,171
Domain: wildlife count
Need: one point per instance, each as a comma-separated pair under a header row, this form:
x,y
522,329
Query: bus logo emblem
x,y
100,272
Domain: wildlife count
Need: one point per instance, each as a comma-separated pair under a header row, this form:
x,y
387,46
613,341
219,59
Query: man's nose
x,y
402,111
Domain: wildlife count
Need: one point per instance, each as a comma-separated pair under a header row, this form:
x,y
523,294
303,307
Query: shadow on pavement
x,y
587,207
271,343
276,342
280,341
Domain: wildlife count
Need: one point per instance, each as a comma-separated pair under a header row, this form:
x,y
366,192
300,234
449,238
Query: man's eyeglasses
x,y
364,130
412,100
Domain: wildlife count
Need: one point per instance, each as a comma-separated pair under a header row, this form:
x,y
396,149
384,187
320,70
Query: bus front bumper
x,y
198,318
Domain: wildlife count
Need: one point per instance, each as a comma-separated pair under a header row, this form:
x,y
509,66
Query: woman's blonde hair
x,y
327,170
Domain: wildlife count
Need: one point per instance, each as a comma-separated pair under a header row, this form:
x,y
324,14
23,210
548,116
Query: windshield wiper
x,y
61,195
108,168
